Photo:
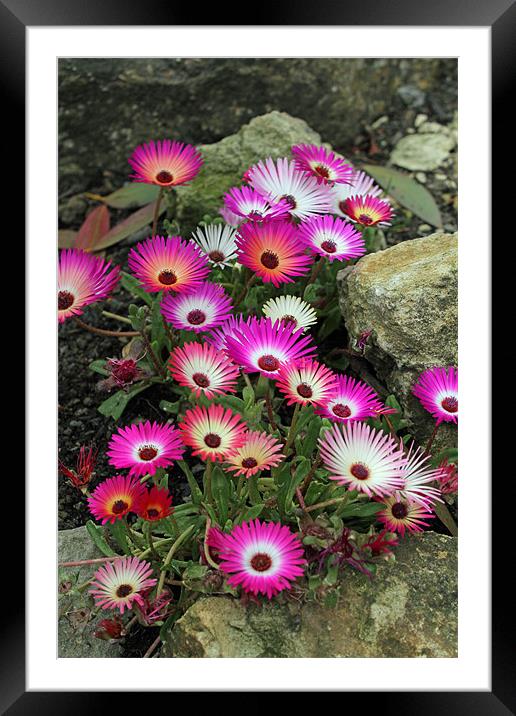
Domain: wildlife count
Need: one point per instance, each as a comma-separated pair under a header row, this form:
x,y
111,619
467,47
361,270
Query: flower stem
x,y
327,503
157,365
206,546
248,285
431,439
152,648
270,412
316,270
82,562
179,541
116,317
104,332
291,432
308,479
156,212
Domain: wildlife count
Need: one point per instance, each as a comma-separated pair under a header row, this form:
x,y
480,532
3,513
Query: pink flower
x,y
212,432
400,515
206,307
437,389
331,237
259,452
248,203
119,584
115,497
350,400
203,369
306,382
82,279
165,163
368,210
144,447
321,163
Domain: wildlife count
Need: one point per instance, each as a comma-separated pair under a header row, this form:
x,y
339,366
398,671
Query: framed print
x,y
273,253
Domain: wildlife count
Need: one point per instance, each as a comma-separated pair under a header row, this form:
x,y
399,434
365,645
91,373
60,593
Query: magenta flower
x,y
199,310
218,337
448,478
400,515
165,163
115,497
248,203
273,251
438,391
203,369
82,279
365,459
168,264
351,400
212,432
262,346
332,237
368,210
361,185
259,452
306,382
262,558
120,583
144,447
281,180
321,163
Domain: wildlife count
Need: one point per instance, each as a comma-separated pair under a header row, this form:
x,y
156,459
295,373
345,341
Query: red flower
x,y
81,476
154,504
380,544
109,629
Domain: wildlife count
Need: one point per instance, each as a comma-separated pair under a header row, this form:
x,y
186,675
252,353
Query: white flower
x,y
217,241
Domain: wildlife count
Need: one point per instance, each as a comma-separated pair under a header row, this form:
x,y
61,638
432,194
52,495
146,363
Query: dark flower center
x,y
291,201
201,380
196,317
290,319
152,513
399,510
118,507
365,219
64,300
322,171
249,462
261,562
341,411
329,246
164,177
167,277
147,452
212,440
359,471
304,390
268,363
255,215
216,256
124,590
269,259
450,404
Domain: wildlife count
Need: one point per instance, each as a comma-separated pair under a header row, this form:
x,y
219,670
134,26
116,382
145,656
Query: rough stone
x,y
109,105
407,295
76,621
408,610
424,151
271,135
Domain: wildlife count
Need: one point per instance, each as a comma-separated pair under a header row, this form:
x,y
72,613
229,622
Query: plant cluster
x,y
296,469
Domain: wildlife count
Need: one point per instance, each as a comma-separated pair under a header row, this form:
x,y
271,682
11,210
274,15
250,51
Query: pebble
x,y
420,119
421,177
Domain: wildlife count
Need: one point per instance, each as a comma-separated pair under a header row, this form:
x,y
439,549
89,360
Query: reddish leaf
x,y
125,228
129,196
95,226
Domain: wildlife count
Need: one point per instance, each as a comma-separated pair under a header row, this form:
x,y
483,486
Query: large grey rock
x,y
423,152
107,106
408,610
76,620
407,295
271,135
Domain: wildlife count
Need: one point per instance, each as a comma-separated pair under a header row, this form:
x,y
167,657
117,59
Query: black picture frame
x,y
500,16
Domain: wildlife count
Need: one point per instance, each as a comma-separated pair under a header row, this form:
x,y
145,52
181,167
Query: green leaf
x,y
220,490
250,513
192,482
141,218
330,323
408,192
119,533
361,509
98,366
309,442
167,407
450,454
97,535
134,287
129,196
115,405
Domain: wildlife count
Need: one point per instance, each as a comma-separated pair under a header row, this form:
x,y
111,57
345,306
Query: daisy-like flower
x,y
273,251
218,337
306,382
262,558
203,369
82,279
118,584
351,400
230,217
332,237
212,432
114,498
324,165
438,391
169,264
217,241
291,310
281,180
368,210
250,204
365,459
154,504
263,346
401,514
418,476
204,308
145,447
361,185
259,452
165,163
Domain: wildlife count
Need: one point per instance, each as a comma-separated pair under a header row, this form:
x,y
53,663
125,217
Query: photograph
x,y
258,391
